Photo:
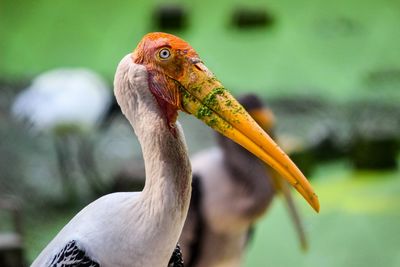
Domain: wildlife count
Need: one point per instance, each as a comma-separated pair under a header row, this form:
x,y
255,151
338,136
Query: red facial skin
x,y
165,75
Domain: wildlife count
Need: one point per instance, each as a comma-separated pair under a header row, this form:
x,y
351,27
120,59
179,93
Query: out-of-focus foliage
x,y
330,71
341,49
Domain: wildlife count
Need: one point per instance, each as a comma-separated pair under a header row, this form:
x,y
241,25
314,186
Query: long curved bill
x,y
207,99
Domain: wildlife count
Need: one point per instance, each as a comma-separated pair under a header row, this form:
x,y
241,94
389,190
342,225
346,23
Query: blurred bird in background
x,y
232,189
69,104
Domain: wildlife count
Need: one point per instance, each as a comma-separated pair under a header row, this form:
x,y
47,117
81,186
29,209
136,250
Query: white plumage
x,y
63,96
67,103
136,229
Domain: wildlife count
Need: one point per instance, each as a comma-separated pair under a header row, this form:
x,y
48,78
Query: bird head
x,y
173,66
179,80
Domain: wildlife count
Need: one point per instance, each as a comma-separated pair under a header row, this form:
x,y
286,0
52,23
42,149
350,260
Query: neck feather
x,y
250,177
168,171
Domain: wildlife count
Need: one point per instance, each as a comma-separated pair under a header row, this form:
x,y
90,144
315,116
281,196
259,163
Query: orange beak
x,y
207,99
181,80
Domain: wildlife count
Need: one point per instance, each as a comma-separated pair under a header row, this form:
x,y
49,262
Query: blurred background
x,y
330,72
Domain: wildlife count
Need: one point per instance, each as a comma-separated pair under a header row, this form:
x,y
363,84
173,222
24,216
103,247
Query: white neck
x,y
168,171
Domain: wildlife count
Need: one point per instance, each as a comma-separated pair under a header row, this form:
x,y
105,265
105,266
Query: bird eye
x,y
164,53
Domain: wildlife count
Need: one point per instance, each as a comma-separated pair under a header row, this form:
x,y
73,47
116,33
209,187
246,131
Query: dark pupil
x,y
164,53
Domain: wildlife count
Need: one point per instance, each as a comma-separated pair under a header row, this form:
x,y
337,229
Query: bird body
x,y
249,197
163,75
230,205
114,228
114,240
232,189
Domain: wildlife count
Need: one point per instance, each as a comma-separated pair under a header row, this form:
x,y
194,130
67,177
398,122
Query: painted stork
x,y
58,102
163,75
231,189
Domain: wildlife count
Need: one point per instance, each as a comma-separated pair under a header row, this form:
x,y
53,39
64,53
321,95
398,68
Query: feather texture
x,y
72,255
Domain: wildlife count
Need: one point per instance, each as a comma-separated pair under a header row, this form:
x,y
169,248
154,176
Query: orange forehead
x,y
161,38
155,40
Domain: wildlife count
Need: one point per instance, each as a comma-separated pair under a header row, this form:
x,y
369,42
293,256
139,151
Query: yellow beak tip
x,y
315,204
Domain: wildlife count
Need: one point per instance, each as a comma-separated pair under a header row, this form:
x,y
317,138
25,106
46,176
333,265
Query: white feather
x,y
63,96
136,229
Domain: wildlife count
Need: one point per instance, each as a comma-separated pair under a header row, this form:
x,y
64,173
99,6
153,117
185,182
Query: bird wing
x,y
192,233
72,255
176,258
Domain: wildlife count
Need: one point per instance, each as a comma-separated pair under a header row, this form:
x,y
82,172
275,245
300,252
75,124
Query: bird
x,y
68,103
162,76
231,190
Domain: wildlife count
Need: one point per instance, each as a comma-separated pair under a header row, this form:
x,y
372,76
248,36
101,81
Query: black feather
x,y
72,255
176,258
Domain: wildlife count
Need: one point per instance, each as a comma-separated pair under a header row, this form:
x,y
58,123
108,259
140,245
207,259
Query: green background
x,y
327,49
319,47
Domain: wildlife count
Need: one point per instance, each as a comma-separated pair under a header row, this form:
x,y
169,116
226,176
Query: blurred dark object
x,y
11,245
376,135
111,113
325,142
383,79
297,105
130,178
336,27
8,89
305,160
170,17
245,17
375,153
14,85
